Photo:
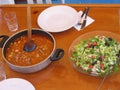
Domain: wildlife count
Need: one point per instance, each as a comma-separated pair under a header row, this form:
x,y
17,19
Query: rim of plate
x,y
16,83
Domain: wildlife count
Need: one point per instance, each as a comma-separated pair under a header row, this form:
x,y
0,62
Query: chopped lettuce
x,y
98,55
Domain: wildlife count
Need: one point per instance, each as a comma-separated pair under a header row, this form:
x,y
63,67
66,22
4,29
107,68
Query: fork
x,y
81,17
85,18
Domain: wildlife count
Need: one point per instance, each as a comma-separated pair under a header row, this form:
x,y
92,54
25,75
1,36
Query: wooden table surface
x,y
60,75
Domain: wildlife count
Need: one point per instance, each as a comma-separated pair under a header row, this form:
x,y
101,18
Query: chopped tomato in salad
x,y
98,55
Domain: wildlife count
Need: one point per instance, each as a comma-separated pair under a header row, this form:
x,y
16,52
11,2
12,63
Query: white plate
x,y
58,18
16,84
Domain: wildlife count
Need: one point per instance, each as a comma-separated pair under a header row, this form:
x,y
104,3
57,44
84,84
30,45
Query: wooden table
x,y
60,75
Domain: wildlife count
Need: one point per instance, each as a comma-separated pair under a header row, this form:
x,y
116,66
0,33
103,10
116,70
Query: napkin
x,y
88,21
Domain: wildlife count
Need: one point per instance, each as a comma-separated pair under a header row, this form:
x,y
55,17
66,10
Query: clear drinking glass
x,y
11,21
2,72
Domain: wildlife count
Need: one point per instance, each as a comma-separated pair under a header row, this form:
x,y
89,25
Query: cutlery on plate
x,y
85,18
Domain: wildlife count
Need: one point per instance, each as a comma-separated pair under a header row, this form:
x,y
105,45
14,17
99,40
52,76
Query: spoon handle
x,y
102,82
29,22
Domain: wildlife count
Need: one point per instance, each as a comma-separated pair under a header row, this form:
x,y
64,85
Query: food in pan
x,y
17,56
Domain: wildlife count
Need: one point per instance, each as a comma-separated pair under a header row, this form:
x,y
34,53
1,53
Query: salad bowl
x,y
96,53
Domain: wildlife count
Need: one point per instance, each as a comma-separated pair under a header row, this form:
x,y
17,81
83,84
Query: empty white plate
x,y
58,18
16,84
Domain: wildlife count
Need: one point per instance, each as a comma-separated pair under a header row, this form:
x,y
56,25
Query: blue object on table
x,y
77,2
88,1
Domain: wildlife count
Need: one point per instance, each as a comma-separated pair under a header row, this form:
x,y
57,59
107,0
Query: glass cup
x,y
2,72
11,21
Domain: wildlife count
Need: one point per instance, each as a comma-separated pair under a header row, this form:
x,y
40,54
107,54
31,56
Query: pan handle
x,y
3,40
59,53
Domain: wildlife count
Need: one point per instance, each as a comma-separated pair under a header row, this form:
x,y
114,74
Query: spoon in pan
x,y
29,45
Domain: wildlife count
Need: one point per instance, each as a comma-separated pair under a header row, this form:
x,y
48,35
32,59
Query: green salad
x,y
97,56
